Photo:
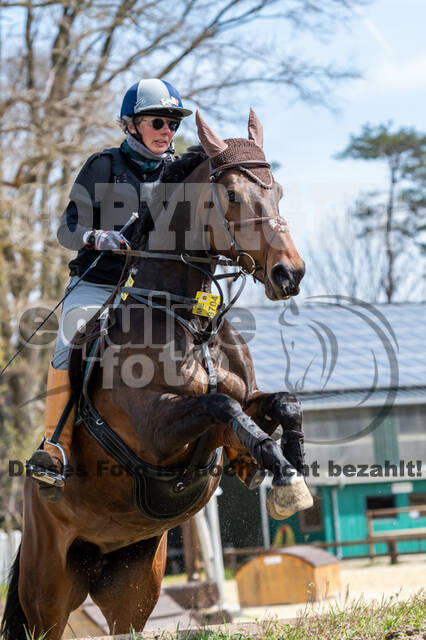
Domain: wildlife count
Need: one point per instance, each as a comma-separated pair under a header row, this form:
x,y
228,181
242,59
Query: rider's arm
x,y
82,213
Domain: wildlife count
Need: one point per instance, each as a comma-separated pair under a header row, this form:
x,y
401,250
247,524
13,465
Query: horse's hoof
x,y
283,502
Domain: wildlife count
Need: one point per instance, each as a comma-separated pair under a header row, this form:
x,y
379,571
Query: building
x,y
360,372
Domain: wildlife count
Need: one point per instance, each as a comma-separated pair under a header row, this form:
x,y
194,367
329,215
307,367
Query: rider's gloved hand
x,y
104,240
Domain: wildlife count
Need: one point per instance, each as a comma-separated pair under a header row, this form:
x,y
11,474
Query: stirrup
x,y
42,474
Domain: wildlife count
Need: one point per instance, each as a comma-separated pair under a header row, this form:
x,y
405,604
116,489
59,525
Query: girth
x,y
160,493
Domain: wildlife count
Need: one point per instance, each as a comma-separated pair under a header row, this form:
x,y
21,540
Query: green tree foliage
x,y
397,216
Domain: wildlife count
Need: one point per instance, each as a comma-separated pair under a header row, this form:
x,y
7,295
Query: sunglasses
x,y
158,123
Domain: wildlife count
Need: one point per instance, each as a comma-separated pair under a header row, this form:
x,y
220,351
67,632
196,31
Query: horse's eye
x,y
232,196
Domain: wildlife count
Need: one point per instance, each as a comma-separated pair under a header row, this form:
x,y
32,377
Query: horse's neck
x,y
178,229
169,275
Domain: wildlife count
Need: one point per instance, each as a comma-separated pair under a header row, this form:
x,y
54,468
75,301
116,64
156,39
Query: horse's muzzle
x,y
286,280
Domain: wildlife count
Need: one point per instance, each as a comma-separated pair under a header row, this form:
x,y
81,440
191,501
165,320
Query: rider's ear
x,y
255,129
212,144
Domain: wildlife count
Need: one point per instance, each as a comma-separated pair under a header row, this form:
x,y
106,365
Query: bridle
x,y
147,297
279,225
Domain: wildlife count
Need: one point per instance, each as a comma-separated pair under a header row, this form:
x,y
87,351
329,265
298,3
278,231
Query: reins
x,y
177,256
93,264
147,296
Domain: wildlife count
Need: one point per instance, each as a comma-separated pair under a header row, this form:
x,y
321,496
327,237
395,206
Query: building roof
x,y
336,352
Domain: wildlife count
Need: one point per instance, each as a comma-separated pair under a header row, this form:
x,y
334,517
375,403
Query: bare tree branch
x,y
63,72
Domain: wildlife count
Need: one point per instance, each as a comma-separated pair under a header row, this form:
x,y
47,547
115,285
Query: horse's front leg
x,y
289,492
270,410
184,419
280,416
273,409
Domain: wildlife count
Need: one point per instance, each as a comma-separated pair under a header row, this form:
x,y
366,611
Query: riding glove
x,y
103,240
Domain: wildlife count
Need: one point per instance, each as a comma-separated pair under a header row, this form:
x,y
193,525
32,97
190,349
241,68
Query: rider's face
x,y
156,140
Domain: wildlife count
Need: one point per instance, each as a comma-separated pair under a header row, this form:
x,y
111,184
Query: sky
x,y
387,43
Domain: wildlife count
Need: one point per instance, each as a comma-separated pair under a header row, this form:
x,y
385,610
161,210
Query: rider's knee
x,y
60,359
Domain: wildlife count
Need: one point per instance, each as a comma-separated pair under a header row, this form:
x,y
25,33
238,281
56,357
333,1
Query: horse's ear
x,y
212,144
255,129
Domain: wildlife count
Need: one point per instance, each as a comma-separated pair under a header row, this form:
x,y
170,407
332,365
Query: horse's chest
x,y
232,384
196,380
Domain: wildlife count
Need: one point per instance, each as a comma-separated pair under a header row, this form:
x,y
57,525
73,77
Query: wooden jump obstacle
x,y
288,576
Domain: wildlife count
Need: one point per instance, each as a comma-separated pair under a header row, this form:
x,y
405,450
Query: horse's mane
x,y
181,168
174,173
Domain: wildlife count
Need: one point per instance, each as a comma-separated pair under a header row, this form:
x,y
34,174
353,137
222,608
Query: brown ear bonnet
x,y
247,155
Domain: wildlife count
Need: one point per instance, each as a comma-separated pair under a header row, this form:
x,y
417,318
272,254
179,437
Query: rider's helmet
x,y
152,96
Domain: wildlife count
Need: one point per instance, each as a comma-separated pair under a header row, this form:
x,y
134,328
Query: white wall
x,y
9,543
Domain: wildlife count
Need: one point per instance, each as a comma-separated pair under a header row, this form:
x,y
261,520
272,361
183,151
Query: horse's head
x,y
246,222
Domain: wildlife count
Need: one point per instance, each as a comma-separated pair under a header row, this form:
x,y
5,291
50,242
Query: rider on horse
x,y
150,116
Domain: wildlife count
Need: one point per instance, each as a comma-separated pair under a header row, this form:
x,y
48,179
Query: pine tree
x,y
398,215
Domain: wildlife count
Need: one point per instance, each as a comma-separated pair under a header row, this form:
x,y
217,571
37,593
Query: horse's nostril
x,y
281,275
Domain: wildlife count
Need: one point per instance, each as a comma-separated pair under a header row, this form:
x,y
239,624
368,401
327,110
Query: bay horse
x,y
155,418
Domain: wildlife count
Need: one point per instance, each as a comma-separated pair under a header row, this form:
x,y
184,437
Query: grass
x,y
3,592
357,620
389,619
30,636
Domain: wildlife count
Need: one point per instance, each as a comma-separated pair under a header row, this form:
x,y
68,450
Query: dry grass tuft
x,y
390,619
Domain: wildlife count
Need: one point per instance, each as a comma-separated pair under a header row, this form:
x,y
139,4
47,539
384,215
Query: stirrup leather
x,y
45,476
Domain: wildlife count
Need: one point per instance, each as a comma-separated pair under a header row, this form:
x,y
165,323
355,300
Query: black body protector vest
x,y
117,194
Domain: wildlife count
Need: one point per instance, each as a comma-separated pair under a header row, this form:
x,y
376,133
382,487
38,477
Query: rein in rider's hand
x,y
104,240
